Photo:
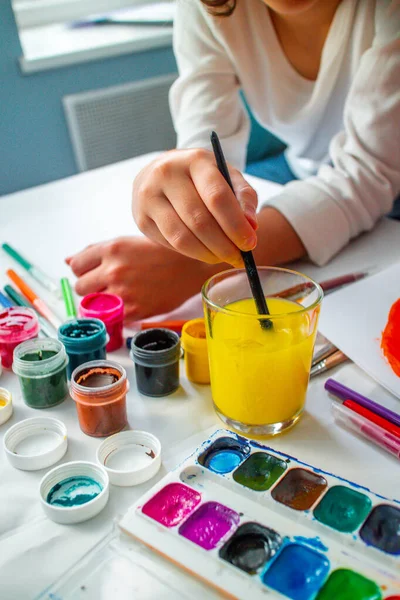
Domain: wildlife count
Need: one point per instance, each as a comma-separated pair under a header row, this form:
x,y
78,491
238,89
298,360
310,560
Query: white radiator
x,y
120,122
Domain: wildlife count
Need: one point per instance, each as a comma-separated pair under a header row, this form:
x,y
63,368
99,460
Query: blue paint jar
x,y
84,340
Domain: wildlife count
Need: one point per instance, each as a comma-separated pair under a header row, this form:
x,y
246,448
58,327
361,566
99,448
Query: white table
x,y
52,221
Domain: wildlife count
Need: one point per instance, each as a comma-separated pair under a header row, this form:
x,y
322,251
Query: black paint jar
x,y
156,354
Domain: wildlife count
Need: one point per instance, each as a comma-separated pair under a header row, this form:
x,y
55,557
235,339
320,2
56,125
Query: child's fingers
x,y
247,197
93,281
195,215
86,260
223,204
178,235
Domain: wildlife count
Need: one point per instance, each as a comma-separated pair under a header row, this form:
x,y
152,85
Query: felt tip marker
x,y
19,300
4,301
37,274
37,302
68,296
373,418
370,431
345,393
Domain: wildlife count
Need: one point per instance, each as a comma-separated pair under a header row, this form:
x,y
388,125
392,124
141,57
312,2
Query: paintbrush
x,y
248,259
323,353
337,358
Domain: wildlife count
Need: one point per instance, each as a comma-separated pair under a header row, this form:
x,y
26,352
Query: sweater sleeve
x,y
350,195
206,94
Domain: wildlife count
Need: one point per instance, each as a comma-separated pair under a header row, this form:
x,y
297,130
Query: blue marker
x,y
5,302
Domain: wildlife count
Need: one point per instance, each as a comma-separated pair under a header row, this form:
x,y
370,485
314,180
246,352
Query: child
x,y
324,76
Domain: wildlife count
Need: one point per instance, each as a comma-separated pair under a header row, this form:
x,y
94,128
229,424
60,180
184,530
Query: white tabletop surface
x,y
46,224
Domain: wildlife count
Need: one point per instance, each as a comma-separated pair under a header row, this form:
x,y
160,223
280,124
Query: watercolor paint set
x,y
254,522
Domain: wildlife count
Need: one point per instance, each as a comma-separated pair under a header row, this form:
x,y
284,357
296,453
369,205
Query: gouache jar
x,y
194,343
156,354
41,366
259,374
109,308
99,389
16,326
84,340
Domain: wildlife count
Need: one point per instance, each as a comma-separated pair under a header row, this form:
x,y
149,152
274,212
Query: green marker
x,y
20,301
68,298
35,272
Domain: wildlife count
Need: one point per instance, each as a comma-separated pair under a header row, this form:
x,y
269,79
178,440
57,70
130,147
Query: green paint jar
x,y
41,366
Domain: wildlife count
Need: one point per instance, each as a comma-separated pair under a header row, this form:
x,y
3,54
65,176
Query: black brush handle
x,y
248,258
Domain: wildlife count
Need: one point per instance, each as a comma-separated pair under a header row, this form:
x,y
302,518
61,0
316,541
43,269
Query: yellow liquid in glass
x,y
260,376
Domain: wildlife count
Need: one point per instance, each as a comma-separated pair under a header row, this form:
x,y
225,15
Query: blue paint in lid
x,y
74,491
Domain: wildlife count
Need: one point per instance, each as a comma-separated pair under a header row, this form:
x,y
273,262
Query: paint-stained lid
x,y
35,443
130,457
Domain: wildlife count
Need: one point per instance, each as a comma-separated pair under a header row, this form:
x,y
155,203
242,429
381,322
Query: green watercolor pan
x,y
254,523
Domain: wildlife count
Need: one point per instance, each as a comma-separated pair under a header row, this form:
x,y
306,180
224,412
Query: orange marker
x,y
37,302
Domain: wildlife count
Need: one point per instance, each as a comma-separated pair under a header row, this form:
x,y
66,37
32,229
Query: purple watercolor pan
x,y
209,524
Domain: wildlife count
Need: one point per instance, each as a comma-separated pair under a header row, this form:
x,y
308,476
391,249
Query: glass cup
x,y
260,371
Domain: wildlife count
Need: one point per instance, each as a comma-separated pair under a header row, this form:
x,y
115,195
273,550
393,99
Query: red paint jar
x,y
17,325
99,389
109,308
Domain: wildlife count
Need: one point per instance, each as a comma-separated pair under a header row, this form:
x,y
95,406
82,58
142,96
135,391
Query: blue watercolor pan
x,y
285,542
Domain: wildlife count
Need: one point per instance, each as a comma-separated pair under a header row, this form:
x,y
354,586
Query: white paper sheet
x,y
354,318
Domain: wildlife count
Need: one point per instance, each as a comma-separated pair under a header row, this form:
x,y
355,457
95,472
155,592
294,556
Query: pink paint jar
x,y
109,308
16,326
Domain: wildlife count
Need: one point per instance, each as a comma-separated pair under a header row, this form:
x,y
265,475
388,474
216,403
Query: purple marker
x,y
341,391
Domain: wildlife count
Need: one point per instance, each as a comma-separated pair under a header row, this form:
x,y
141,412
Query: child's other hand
x,y
150,279
182,201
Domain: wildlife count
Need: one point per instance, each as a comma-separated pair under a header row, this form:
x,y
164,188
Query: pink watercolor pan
x,y
172,504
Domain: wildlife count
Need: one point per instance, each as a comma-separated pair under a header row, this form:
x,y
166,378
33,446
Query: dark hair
x,y
220,8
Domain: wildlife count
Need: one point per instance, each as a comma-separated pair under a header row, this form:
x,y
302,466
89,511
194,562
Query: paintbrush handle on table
x,y
330,285
37,302
37,274
333,360
323,353
20,301
365,428
345,393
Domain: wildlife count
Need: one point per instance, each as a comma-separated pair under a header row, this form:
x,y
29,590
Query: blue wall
x,y
34,141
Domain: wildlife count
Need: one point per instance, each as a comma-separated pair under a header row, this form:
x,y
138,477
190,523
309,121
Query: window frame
x,y
35,13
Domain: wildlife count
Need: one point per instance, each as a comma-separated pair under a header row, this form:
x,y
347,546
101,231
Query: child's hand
x,y
182,201
150,279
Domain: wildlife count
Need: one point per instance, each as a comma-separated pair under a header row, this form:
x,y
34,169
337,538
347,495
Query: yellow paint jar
x,y
259,376
194,343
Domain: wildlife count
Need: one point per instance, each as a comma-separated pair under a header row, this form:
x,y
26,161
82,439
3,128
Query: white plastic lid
x,y
6,407
63,488
130,457
35,443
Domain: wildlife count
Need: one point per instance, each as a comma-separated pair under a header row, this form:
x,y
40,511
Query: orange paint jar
x,y
99,389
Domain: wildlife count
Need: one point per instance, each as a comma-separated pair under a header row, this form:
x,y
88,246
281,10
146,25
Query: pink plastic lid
x,y
17,325
107,307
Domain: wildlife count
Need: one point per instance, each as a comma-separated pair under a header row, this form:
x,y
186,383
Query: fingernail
x,y
251,216
250,243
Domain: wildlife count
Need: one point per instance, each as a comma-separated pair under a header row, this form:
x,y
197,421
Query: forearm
x,y
278,242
